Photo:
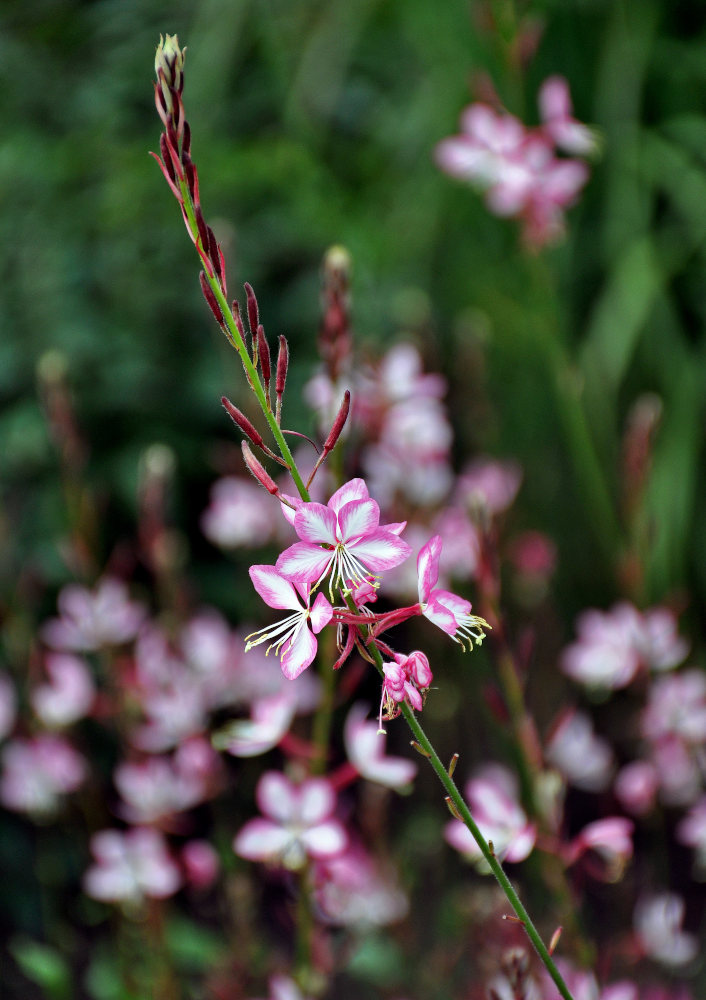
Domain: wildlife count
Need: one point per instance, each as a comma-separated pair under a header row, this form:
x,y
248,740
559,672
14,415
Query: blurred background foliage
x,y
314,122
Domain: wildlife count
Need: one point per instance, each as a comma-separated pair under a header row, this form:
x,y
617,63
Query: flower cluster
x,y
517,167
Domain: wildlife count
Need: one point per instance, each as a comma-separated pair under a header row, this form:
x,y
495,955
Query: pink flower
x,y
343,539
658,920
636,787
70,693
298,822
490,484
291,638
677,708
556,112
611,839
492,797
37,771
284,988
200,863
692,831
236,515
270,719
365,746
444,609
130,866
157,788
583,758
405,680
92,620
352,890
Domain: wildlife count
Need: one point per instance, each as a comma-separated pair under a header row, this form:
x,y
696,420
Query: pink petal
x,y
458,606
290,512
441,617
359,517
277,797
522,843
396,527
354,489
321,613
317,801
325,840
304,563
260,840
316,524
298,653
273,588
381,550
428,567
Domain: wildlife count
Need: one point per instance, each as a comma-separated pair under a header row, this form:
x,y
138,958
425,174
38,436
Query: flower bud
x,y
169,68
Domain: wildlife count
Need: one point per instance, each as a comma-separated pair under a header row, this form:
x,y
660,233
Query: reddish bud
x,y
237,319
186,141
263,351
282,366
202,227
242,422
555,940
210,298
164,150
339,422
256,468
253,312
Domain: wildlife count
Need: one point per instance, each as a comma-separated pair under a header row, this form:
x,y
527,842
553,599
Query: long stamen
x,y
288,624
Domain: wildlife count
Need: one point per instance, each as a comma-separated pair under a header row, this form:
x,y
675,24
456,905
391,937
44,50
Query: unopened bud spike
x,y
452,808
210,298
452,765
420,749
256,468
241,421
263,351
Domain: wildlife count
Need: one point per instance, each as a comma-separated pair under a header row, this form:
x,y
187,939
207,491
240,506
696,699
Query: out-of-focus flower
x,y
354,891
292,638
613,646
677,708
236,516
678,769
492,797
365,746
8,705
284,988
658,921
556,111
584,759
692,832
636,787
489,485
356,546
157,788
611,839
69,695
91,620
130,866
299,822
517,167
37,771
200,863
584,986
270,719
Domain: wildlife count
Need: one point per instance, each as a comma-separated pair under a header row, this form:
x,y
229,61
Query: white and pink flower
x,y
91,620
493,799
70,693
365,746
130,866
298,823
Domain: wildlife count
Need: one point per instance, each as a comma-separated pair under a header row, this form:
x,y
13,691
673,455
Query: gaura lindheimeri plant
x,y
328,579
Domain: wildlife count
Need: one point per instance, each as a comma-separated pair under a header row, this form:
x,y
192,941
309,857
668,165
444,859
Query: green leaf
x,y
44,966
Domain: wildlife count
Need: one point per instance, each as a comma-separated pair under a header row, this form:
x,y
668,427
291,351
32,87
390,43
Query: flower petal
x,y
298,652
325,840
428,567
441,617
317,801
316,524
354,489
381,550
260,840
359,517
304,563
277,797
273,588
321,613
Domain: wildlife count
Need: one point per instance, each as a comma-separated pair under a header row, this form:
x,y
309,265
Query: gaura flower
x,y
450,612
291,638
343,539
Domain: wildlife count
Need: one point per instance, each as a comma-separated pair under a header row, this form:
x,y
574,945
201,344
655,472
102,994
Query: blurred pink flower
x,y
270,719
677,708
200,863
692,832
236,515
299,822
611,839
354,891
584,759
658,921
91,620
636,787
365,747
284,988
612,646
489,484
130,866
69,695
37,771
556,111
493,799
